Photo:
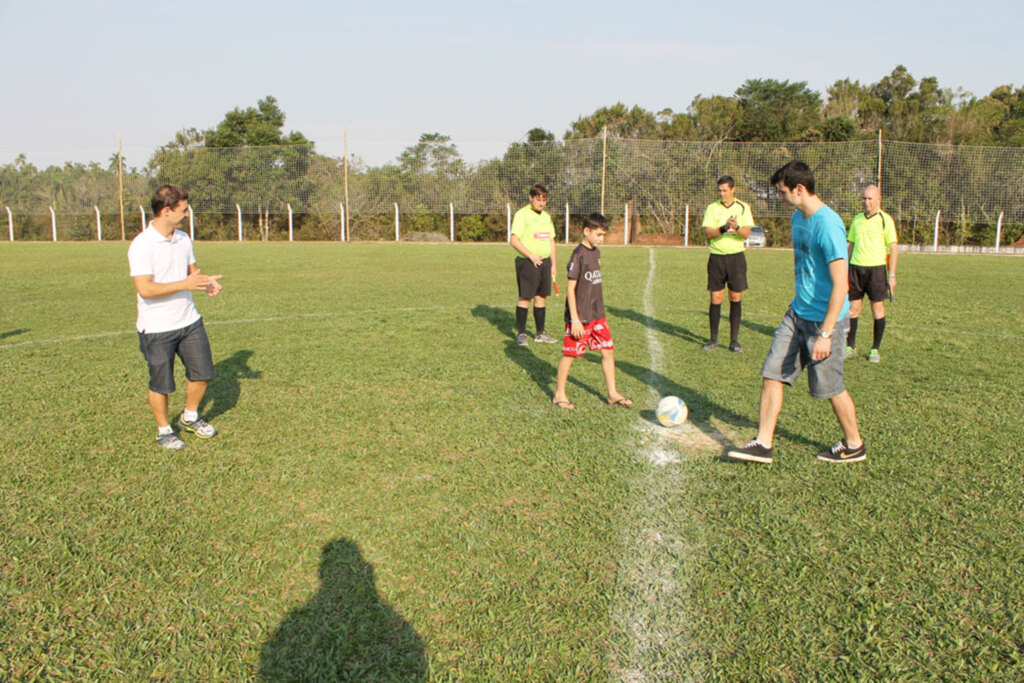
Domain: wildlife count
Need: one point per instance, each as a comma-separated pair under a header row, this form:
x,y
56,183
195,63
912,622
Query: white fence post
x,y
451,220
343,235
625,226
567,222
686,227
508,222
99,224
935,243
191,224
142,212
999,230
239,209
10,223
289,222
396,222
53,223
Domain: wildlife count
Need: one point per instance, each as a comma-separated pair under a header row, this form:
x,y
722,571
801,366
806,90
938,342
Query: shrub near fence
x,y
968,189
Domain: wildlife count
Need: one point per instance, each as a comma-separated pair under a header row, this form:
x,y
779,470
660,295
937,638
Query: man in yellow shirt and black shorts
x,y
727,222
873,254
533,237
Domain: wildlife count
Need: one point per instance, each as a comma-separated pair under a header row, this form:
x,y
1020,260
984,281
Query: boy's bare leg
x,y
560,399
608,368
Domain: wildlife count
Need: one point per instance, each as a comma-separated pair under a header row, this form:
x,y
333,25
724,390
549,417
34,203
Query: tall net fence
x,y
968,188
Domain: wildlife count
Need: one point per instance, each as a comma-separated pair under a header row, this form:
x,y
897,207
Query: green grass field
x,y
392,496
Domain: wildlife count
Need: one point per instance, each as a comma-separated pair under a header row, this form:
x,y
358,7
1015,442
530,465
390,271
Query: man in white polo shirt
x,y
164,271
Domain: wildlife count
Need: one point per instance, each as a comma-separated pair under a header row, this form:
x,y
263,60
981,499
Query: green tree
x,y
776,111
622,122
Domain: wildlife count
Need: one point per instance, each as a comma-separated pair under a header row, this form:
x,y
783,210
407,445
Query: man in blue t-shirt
x,y
813,331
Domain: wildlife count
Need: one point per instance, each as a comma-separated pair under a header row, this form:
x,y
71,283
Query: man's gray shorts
x,y
791,352
189,343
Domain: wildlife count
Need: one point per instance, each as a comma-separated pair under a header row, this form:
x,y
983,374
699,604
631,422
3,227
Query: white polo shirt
x,y
167,260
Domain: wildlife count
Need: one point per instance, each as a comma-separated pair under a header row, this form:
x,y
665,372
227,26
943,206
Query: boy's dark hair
x,y
167,197
726,180
595,220
538,190
794,173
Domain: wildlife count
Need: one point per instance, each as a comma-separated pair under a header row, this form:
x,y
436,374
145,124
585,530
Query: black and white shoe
x,y
843,453
753,451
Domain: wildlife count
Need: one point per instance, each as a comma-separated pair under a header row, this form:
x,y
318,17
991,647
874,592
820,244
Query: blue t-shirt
x,y
817,241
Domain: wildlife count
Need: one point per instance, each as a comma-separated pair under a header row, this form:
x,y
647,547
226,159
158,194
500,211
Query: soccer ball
x,y
671,411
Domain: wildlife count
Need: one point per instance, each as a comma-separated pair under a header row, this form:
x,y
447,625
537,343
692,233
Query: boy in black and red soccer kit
x,y
585,322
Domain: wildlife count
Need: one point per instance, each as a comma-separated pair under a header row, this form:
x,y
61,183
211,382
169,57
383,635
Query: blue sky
x,y
77,74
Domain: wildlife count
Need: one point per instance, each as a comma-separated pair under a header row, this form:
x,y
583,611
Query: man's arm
x,y
517,244
837,271
197,280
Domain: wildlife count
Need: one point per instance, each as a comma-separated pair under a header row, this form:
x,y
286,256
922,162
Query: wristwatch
x,y
825,335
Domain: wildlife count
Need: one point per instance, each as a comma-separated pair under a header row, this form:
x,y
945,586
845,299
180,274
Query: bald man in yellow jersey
x,y
873,254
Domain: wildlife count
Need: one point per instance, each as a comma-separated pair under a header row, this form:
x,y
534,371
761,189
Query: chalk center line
x,y
649,614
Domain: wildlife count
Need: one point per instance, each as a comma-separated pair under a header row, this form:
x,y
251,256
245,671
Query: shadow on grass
x,y
701,410
223,392
539,370
345,632
5,335
655,324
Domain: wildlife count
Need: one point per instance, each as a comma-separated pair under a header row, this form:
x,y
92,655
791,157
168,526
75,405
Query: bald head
x,y
871,199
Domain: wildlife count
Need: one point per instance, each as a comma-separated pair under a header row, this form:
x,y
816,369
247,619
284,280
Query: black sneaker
x,y
735,347
843,453
753,451
711,345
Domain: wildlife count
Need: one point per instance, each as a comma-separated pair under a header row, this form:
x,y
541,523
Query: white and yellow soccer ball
x,y
671,411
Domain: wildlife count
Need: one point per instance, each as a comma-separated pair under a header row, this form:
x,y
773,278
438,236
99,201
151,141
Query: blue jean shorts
x,y
189,343
791,352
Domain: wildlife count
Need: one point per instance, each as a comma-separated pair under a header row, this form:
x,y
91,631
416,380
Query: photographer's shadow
x,y
345,632
223,392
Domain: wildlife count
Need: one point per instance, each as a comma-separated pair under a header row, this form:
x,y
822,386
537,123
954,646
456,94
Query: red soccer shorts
x,y
596,337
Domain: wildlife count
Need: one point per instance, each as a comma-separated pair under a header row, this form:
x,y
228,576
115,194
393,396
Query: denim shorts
x,y
791,351
189,343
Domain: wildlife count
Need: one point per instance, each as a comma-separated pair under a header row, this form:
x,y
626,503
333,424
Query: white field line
x,y
651,628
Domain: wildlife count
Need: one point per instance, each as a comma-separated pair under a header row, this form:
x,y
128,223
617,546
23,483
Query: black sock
x,y
879,331
521,314
735,315
539,316
851,336
714,317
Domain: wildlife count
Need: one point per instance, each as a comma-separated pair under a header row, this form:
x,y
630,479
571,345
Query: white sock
x,y
190,415
164,430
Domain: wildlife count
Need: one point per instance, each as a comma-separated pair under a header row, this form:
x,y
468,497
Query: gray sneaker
x,y
198,426
170,441
545,338
521,340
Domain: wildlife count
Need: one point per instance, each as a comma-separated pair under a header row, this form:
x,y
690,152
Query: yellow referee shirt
x,y
717,215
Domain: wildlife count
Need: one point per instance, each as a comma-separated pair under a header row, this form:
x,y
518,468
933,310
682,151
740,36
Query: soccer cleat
x,y
170,441
873,356
849,352
198,426
735,347
521,339
753,451
711,345
545,338
843,453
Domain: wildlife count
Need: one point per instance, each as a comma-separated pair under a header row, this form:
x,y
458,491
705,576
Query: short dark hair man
x,y
813,330
874,251
164,271
533,236
727,222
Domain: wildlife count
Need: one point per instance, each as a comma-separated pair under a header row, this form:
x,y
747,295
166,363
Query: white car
x,y
757,238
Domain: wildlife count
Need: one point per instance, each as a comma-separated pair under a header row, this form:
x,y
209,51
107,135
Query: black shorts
x,y
190,344
533,280
870,280
728,269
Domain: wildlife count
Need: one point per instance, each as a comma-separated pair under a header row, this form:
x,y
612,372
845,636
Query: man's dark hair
x,y
794,173
538,190
167,197
726,180
595,220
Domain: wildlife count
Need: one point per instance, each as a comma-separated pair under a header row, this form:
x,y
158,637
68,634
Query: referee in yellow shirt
x,y
873,254
727,222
